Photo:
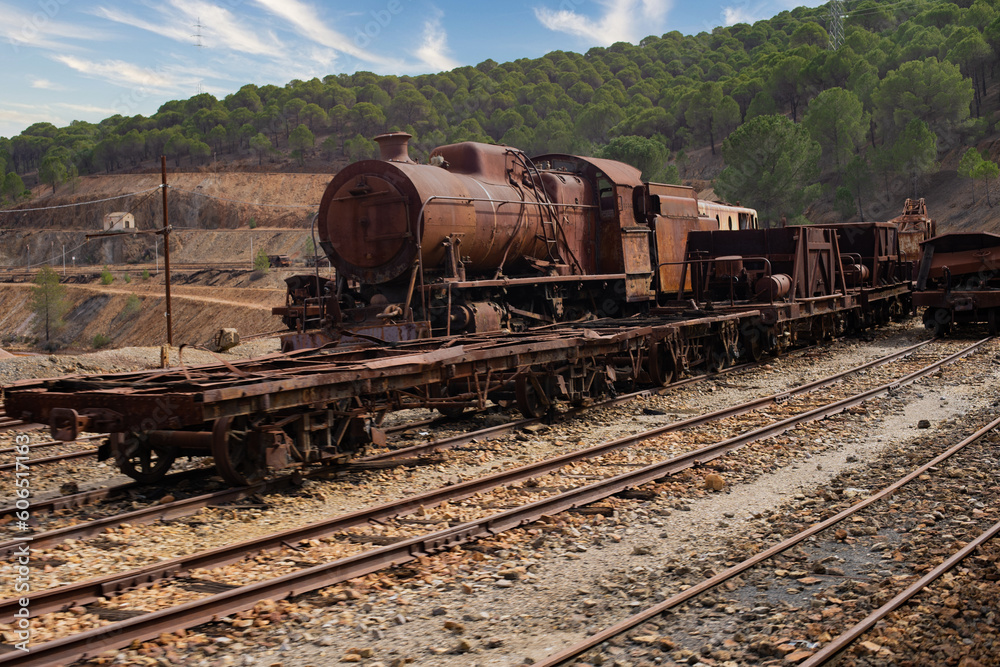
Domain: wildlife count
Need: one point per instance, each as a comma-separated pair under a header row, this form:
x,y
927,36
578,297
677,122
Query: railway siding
x,y
623,520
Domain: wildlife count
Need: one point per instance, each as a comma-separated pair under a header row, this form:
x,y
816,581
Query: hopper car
x,y
958,282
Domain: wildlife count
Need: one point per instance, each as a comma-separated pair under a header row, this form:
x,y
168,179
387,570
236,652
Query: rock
x,y
924,423
795,657
226,339
454,626
714,482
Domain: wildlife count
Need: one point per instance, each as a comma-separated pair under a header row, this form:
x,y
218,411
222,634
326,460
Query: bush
x,y
127,279
252,224
106,277
145,274
133,304
261,264
99,341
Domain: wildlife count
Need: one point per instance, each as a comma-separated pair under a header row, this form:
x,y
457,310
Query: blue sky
x,y
67,60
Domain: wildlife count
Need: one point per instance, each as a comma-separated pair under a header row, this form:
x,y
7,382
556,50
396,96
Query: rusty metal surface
x,y
914,227
877,246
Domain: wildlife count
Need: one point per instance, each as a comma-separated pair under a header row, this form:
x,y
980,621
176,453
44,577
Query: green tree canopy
x,y
771,165
915,152
836,119
647,155
932,92
968,167
261,145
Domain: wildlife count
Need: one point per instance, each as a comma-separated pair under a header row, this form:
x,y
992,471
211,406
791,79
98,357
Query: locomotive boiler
x,y
484,238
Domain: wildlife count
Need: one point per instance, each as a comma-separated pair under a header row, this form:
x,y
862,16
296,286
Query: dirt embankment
x,y
134,314
214,215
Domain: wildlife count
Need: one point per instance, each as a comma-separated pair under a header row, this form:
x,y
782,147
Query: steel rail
x,y
491,432
155,512
50,443
122,633
843,641
177,508
57,458
76,593
82,498
88,591
756,559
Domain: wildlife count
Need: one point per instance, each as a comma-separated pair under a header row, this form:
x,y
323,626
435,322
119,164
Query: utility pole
x,y
156,254
166,248
251,251
64,260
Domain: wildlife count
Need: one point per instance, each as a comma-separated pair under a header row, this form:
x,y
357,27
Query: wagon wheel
x,y
896,311
453,411
238,457
662,366
140,460
993,321
533,397
718,357
937,321
753,345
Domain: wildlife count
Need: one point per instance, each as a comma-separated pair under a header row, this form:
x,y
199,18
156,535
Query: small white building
x,y
119,221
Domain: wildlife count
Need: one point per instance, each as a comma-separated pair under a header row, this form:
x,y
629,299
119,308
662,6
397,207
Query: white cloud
x,y
88,108
45,84
126,74
40,29
306,21
621,20
219,27
433,50
24,118
739,14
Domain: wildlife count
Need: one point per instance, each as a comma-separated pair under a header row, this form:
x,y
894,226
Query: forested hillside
x,y
794,120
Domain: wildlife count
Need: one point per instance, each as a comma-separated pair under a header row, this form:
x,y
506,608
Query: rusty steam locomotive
x,y
484,238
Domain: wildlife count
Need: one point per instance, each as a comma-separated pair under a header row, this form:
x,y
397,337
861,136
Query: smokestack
x,y
394,146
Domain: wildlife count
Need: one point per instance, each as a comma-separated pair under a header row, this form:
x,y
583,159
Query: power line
x,y
239,201
84,203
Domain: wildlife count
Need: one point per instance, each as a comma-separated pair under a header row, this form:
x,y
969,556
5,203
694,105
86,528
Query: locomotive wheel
x,y
237,459
662,368
533,398
140,460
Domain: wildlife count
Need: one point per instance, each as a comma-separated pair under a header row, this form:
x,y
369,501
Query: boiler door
x,y
367,225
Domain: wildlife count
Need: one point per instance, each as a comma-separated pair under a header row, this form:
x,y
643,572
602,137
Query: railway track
x,y
122,632
170,510
825,537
